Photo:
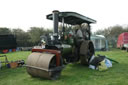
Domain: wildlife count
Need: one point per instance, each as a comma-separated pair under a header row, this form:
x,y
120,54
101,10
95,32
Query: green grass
x,y
73,74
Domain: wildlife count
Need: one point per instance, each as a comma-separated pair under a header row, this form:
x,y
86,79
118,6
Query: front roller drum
x,y
43,65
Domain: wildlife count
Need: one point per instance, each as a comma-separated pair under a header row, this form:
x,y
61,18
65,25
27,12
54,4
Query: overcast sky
x,y
27,13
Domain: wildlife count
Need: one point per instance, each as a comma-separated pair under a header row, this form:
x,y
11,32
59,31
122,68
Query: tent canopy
x,y
100,42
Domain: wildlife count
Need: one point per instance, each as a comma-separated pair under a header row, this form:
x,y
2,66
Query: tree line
x,y
26,39
112,33
32,36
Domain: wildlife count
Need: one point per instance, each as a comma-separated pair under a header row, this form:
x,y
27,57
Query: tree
x,y
22,37
35,33
5,31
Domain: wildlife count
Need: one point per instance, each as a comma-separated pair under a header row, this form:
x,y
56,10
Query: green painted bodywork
x,y
67,49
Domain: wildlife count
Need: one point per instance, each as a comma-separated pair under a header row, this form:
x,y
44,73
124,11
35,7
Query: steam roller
x,y
57,49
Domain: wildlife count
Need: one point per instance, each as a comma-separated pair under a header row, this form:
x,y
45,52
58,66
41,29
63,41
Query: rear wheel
x,y
86,52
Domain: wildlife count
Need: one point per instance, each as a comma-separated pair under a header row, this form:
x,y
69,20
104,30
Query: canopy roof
x,y
72,18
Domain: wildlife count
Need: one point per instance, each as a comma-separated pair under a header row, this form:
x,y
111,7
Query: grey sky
x,y
27,13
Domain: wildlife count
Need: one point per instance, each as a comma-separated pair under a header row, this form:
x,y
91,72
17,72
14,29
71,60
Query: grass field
x,y
73,74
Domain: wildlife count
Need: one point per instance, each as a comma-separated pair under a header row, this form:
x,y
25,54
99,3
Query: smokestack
x,y
55,21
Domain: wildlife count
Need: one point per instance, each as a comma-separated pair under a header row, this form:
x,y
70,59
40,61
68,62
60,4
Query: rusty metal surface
x,y
39,60
56,52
